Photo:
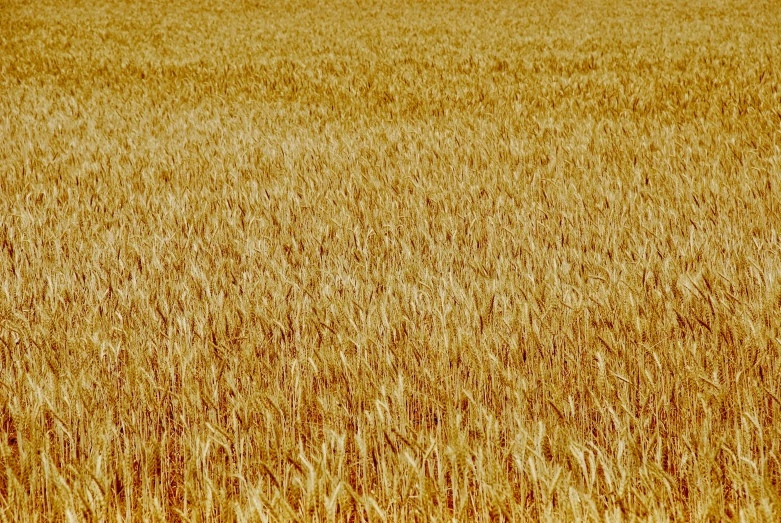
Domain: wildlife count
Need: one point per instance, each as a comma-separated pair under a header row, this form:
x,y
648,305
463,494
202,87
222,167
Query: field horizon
x,y
390,260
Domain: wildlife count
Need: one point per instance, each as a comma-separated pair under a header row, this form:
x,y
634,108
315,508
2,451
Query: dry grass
x,y
390,260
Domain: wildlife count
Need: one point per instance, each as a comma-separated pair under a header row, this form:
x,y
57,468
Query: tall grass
x,y
390,260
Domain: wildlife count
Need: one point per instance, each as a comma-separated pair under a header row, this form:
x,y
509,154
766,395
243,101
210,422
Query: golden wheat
x,y
390,260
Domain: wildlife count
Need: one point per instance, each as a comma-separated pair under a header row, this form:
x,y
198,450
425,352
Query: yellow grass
x,y
390,260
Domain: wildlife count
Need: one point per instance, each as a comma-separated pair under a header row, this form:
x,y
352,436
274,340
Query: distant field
x,y
390,260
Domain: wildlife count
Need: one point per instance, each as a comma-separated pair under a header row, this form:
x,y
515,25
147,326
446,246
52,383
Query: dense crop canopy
x,y
390,260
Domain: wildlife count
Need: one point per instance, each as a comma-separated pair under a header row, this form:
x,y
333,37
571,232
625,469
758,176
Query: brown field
x,y
390,260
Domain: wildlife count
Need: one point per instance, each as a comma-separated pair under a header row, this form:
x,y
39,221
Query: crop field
x,y
390,260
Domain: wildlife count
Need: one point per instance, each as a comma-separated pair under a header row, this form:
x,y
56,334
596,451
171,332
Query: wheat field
x,y
390,260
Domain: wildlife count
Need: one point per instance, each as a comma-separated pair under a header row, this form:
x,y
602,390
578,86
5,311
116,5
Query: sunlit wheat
x,y
390,260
